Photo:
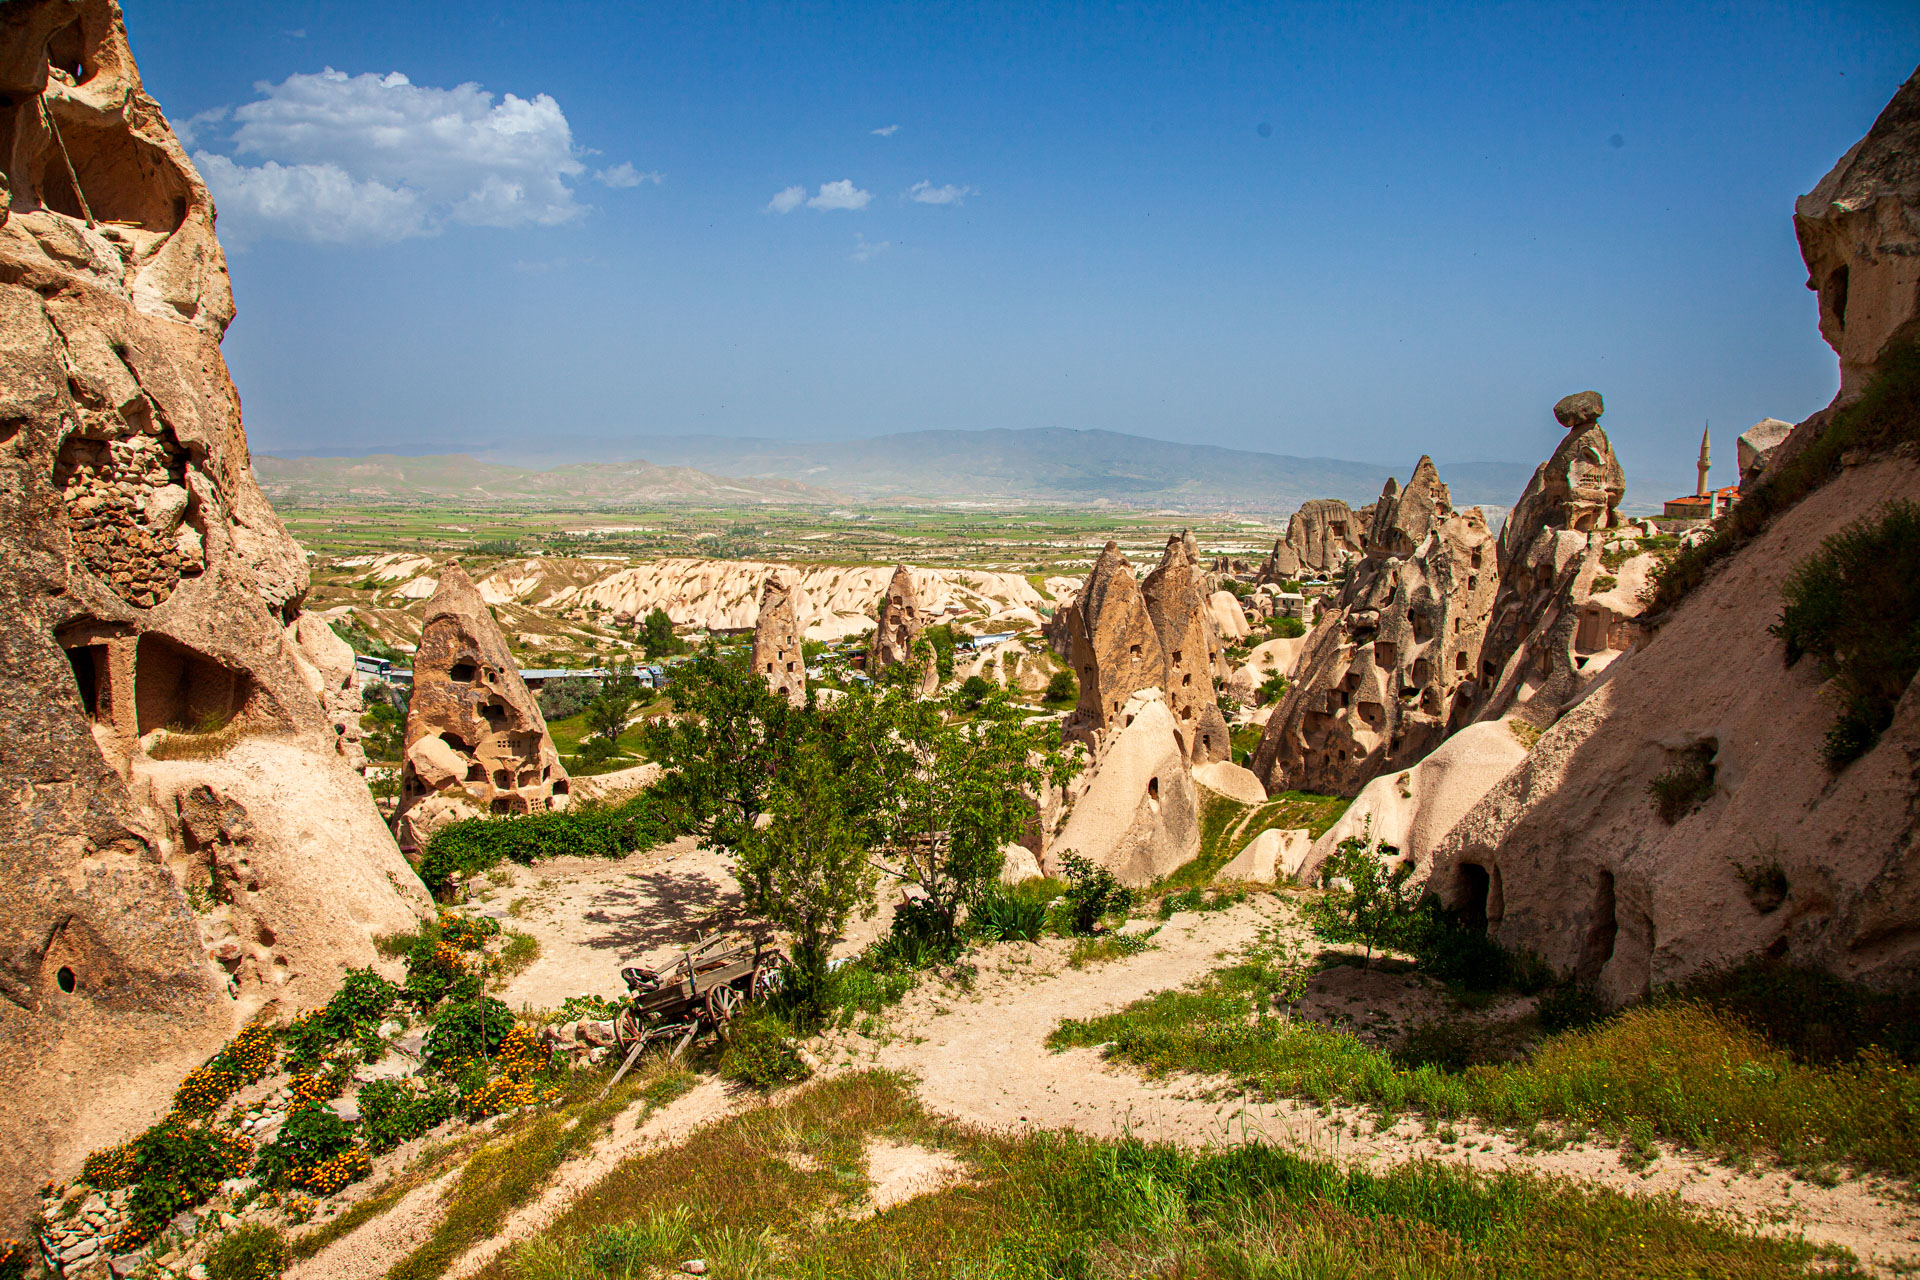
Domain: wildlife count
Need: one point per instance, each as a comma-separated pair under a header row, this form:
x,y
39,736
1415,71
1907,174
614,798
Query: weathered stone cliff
x,y
777,654
1396,661
185,847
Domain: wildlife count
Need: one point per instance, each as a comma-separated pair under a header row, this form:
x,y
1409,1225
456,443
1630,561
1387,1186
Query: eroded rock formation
x,y
1182,617
777,655
1396,661
1322,537
1136,811
476,742
1568,856
185,844
898,624
1551,632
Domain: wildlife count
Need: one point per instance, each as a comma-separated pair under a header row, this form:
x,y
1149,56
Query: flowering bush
x,y
521,1059
246,1058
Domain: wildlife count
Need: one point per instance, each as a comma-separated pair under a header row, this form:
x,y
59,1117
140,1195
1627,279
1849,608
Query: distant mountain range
x,y
1045,465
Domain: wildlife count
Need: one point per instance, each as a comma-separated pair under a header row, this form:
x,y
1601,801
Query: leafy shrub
x,y
1288,628
1765,882
355,1012
312,1135
172,1166
1110,946
243,1060
1062,688
1808,1012
521,1059
396,1111
1570,1006
13,1260
1605,582
1092,893
760,1051
1365,900
974,691
1887,415
469,1030
599,831
567,696
1854,606
1683,787
594,1008
254,1251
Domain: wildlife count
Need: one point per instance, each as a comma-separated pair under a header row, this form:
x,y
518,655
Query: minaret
x,y
1700,489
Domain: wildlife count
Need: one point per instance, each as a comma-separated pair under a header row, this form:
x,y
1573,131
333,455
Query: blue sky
x,y
1358,231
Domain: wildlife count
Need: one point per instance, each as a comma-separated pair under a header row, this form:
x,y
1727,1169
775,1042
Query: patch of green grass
x,y
510,1170
1112,946
777,1191
1227,826
1692,1073
522,949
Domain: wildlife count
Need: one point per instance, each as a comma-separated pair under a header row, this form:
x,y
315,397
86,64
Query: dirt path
x,y
980,1056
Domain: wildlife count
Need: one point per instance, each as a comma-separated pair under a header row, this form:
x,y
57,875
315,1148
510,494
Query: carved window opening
x,y
476,773
1134,649
464,672
561,787
1385,654
66,980
1460,661
175,687
494,713
1474,885
90,675
1422,628
1153,790
1835,297
1603,930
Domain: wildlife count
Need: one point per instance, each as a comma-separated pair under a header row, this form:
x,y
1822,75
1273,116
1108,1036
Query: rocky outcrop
x,y
898,624
1136,812
476,742
1413,810
185,846
1275,854
1551,633
1112,644
1568,856
1756,446
1322,537
777,655
1396,662
1182,618
1860,236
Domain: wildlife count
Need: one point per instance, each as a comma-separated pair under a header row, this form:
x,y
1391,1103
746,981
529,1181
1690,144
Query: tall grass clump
x,y
1854,607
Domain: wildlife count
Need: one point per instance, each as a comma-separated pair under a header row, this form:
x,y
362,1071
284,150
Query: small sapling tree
x,y
1366,899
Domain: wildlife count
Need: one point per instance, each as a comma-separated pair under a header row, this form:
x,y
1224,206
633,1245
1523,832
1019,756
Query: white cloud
x,y
787,199
840,195
924,192
189,129
624,175
886,131
336,158
298,33
865,250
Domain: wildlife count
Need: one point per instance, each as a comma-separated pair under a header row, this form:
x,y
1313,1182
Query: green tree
x,y
806,871
934,801
609,712
1366,900
973,692
658,637
721,752
1062,688
1272,689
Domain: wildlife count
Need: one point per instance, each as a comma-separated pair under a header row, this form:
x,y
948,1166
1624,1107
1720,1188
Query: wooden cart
x,y
698,993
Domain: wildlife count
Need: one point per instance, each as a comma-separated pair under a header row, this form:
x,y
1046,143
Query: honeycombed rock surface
x,y
1183,611
185,844
1395,663
1553,629
1567,855
897,627
1322,536
476,742
777,654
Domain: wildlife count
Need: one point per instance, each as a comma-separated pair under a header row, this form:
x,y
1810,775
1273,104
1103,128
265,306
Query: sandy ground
x,y
980,1055
978,1052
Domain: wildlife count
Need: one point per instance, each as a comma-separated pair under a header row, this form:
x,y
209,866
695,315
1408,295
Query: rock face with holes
x,y
1322,537
1136,811
1181,612
1860,236
1570,857
476,742
186,844
898,624
1555,626
777,655
1396,663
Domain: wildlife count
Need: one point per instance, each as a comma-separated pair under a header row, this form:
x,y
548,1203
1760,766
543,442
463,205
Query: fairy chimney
x,y
777,656
1189,650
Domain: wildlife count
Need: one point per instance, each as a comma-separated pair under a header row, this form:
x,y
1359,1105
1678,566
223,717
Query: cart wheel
x,y
626,1029
722,1002
766,980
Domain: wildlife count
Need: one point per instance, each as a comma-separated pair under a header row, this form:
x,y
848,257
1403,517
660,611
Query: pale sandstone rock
x,y
1189,649
1228,618
1281,656
1413,810
147,586
777,654
1549,629
1018,865
1113,646
468,694
1231,781
1395,661
898,624
1861,241
1322,536
1275,854
1139,813
1756,446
